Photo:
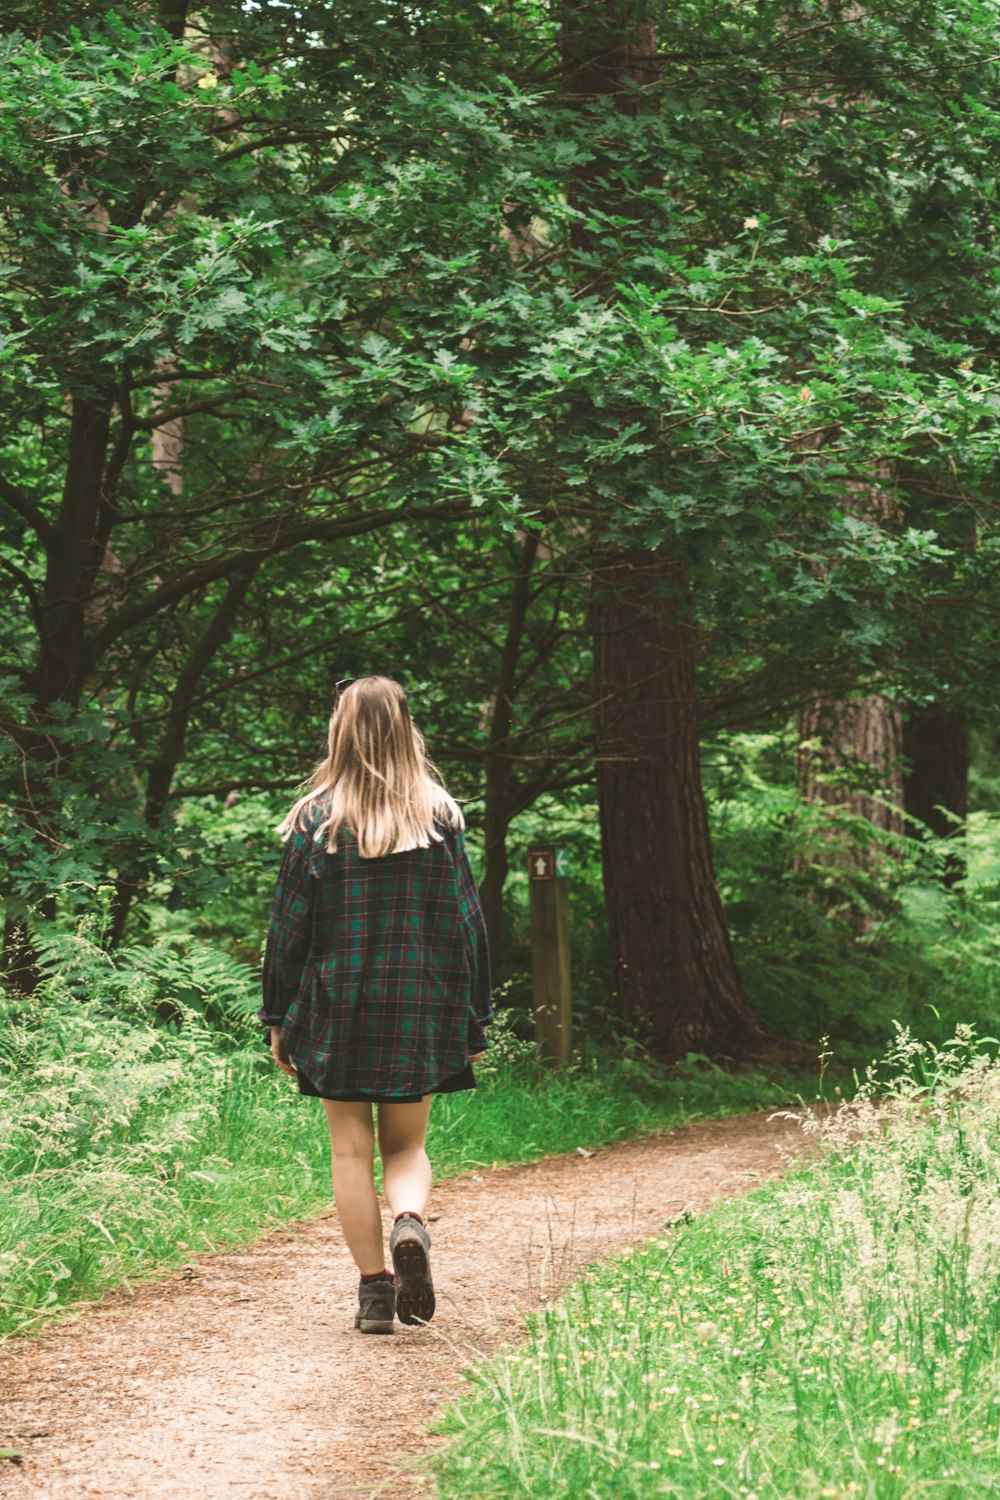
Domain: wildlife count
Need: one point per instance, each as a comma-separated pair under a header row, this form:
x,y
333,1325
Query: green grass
x,y
834,1335
128,1147
519,1113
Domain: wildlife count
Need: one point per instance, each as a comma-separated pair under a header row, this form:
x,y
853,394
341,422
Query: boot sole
x,y
414,1287
372,1325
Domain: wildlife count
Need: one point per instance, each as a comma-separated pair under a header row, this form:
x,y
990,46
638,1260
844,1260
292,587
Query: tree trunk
x,y
936,783
677,984
74,556
31,802
74,549
170,750
167,438
497,778
172,15
854,757
855,763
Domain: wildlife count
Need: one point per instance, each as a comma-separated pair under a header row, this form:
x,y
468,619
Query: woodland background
x,y
623,380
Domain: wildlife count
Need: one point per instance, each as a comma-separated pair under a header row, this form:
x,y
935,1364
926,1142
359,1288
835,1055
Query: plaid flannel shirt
x,y
377,970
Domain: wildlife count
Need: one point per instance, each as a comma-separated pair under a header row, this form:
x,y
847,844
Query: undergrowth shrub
x,y
170,981
135,1133
126,1143
842,946
849,945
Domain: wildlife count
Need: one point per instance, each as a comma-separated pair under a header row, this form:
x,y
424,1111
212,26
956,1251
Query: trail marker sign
x,y
550,957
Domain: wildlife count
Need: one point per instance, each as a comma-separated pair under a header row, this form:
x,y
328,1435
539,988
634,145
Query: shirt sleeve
x,y
479,958
289,935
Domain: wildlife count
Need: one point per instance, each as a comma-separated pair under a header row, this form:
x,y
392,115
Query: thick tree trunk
x,y
677,984
74,549
167,439
74,555
936,783
850,759
855,761
849,754
172,15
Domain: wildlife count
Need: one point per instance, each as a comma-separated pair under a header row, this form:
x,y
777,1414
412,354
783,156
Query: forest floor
x,y
243,1376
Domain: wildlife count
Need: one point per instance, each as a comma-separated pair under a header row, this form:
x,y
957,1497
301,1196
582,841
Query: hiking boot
x,y
377,1303
409,1246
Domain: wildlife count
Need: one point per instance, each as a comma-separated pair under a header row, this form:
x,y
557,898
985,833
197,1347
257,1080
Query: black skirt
x,y
464,1079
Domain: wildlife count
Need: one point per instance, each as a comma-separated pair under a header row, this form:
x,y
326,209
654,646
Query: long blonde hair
x,y
376,778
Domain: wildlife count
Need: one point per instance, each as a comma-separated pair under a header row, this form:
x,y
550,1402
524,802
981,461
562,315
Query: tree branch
x,y
28,511
170,750
295,138
280,540
178,413
116,465
203,652
28,584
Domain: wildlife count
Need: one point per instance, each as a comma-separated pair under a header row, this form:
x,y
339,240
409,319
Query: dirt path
x,y
247,1381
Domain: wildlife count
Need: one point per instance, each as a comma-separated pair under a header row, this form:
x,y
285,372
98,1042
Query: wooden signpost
x,y
548,884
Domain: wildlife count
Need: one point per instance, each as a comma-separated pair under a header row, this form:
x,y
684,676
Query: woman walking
x,y
376,977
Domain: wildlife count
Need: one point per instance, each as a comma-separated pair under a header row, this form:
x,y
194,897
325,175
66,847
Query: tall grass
x,y
835,1335
128,1145
520,1112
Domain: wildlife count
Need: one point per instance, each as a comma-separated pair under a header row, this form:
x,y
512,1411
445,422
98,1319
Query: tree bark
x,y
852,765
862,738
677,984
498,810
170,751
936,781
172,16
31,802
74,555
854,757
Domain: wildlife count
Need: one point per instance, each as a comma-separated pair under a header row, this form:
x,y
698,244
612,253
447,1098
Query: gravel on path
x,y
243,1378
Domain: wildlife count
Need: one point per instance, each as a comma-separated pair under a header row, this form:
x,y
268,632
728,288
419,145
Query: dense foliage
x,y
335,339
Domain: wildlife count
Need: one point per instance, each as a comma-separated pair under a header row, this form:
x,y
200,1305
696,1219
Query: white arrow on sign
x,y
541,866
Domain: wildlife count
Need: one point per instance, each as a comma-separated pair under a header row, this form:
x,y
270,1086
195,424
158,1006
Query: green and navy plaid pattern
x,y
377,970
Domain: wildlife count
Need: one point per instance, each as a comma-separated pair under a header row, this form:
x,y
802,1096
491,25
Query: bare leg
x,y
352,1154
406,1172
